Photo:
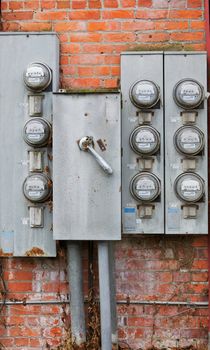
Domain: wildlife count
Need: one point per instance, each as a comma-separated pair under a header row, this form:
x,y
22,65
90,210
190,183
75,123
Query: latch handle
x,y
86,144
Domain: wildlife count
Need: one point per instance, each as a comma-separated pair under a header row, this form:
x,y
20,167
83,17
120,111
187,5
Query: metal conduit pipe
x,y
113,293
207,30
74,268
105,299
120,302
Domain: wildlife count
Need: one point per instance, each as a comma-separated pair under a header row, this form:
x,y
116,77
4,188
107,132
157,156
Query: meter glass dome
x,y
189,187
37,187
145,140
37,132
189,140
37,76
144,94
145,187
188,93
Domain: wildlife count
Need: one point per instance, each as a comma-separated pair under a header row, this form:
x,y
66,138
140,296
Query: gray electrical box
x,y
142,142
186,143
86,166
29,68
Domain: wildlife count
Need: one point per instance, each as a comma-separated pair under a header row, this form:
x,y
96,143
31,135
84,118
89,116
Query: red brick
x,y
14,5
152,14
94,4
64,4
19,287
200,277
187,14
20,15
71,48
171,25
111,3
35,26
194,3
154,37
85,71
4,6
195,36
197,24
69,26
22,341
138,25
47,4
86,37
33,5
119,37
78,4
117,14
51,15
145,3
85,15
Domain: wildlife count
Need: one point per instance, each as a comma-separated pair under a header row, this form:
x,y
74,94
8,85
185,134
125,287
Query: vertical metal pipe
x,y
74,267
104,289
113,293
207,30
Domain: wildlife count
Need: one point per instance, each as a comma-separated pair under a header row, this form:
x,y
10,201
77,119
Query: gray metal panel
x,y
86,201
137,66
179,66
16,236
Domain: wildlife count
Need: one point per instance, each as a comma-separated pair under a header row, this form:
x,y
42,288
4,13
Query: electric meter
x,y
189,140
145,187
189,187
144,94
145,140
37,187
37,132
37,76
188,93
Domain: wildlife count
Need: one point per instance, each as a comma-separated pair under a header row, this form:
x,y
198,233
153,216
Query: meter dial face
x,y
189,187
37,132
189,140
144,94
37,187
37,76
145,140
188,93
145,187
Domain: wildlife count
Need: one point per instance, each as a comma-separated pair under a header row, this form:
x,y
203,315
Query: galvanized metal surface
x,y
17,238
75,276
105,296
140,66
87,201
179,66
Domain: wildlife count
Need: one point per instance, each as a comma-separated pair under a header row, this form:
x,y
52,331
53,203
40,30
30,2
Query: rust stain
x,y
101,145
5,254
35,251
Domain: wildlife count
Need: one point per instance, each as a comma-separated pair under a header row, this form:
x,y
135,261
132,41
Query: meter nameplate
x,y
35,74
145,92
129,218
35,131
145,184
189,92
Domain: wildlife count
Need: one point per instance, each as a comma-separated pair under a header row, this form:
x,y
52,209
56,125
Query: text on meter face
x,y
145,140
189,140
37,187
188,93
37,132
189,187
144,93
145,187
37,76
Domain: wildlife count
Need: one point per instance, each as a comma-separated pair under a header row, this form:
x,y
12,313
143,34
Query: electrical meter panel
x,y
186,142
86,166
142,142
26,87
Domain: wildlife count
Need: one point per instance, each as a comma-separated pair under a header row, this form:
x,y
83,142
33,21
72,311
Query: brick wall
x,y
92,35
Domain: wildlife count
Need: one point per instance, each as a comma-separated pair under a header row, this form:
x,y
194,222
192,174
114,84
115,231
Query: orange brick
x,y
94,4
64,4
152,14
78,4
194,3
4,5
128,3
85,71
118,14
171,25
145,3
47,4
33,5
22,341
85,15
195,36
14,5
111,3
138,25
71,48
86,37
187,14
35,26
154,37
69,26
51,15
197,25
119,37
102,71
20,15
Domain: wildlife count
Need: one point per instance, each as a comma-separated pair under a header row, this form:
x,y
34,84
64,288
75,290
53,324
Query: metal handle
x,y
86,144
